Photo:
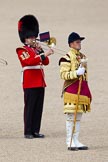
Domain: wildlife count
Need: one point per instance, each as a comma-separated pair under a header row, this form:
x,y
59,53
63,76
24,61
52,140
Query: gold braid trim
x,y
72,98
70,101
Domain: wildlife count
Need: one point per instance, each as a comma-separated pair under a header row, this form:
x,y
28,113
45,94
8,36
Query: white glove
x,y
84,60
80,71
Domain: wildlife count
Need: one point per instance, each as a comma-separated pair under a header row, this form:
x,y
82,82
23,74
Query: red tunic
x,y
29,57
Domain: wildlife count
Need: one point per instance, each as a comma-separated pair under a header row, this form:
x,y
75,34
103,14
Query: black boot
x,y
37,135
83,148
29,136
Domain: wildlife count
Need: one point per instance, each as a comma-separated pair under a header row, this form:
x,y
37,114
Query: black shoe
x,y
37,135
83,148
29,136
73,148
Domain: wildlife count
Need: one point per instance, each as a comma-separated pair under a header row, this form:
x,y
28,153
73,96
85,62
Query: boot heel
x,y
73,148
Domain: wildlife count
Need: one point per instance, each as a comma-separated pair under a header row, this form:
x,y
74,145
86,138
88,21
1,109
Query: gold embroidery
x,y
25,55
22,57
70,101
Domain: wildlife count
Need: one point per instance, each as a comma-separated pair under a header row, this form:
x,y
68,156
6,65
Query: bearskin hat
x,y
28,26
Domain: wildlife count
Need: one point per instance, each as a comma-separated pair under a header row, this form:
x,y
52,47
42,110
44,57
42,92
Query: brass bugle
x,y
51,43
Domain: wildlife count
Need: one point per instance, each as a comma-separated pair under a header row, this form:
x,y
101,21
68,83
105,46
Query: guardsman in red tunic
x,y
32,59
76,93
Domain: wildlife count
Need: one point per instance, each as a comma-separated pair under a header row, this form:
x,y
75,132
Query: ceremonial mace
x,y
83,63
76,110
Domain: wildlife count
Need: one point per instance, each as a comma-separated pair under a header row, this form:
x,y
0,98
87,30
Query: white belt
x,y
29,68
